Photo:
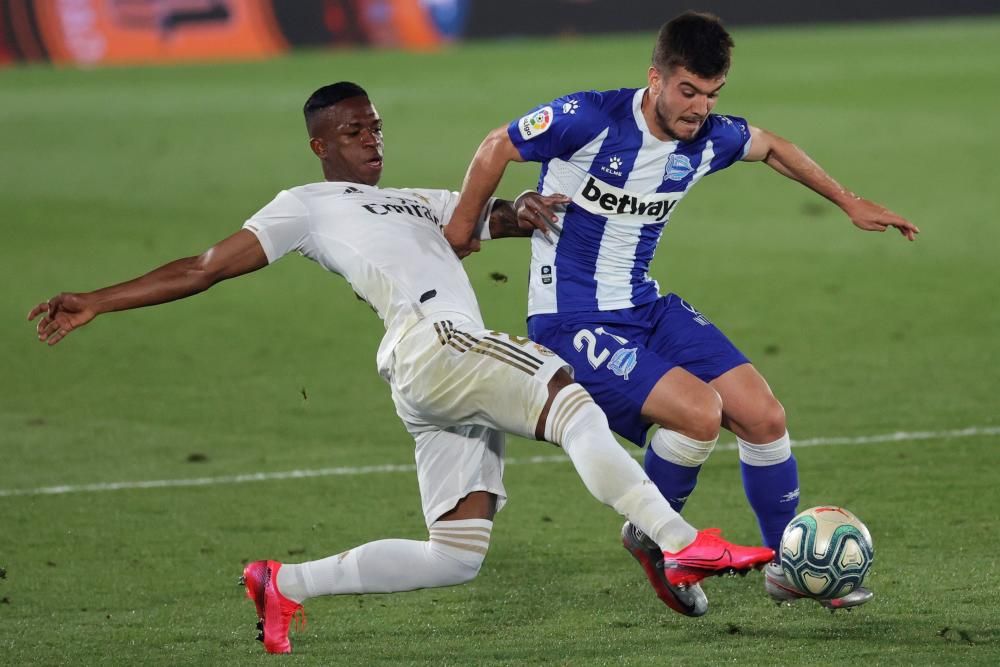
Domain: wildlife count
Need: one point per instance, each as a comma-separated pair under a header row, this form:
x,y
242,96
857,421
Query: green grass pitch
x,y
105,174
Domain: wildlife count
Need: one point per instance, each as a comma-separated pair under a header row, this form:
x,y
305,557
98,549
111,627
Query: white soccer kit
x,y
455,384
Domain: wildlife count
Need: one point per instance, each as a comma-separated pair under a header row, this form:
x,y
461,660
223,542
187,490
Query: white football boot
x,y
783,592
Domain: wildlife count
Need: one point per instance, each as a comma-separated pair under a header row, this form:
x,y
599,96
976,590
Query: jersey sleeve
x,y
443,203
732,141
281,227
560,127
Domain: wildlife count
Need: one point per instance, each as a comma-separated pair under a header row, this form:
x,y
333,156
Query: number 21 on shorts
x,y
596,353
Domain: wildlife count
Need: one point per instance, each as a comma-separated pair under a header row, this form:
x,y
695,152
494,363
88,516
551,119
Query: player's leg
x,y
572,420
515,385
770,473
452,555
521,387
748,408
674,555
616,479
689,413
687,409
621,372
684,336
459,471
460,476
614,359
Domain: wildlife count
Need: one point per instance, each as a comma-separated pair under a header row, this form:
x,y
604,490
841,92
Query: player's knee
x,y
774,420
572,410
679,449
703,418
560,381
460,548
456,567
685,404
561,386
461,571
770,424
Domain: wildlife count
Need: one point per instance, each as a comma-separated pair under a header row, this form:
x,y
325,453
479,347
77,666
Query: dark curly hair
x,y
697,42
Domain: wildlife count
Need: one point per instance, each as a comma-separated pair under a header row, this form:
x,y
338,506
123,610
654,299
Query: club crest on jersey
x,y
623,361
535,123
604,199
678,167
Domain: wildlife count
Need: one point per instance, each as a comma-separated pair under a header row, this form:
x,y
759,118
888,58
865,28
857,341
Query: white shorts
x,y
458,387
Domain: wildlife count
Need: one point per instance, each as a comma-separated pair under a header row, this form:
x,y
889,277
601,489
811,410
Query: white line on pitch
x,y
899,436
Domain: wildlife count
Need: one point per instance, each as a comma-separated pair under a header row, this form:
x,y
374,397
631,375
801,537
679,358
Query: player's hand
x,y
63,313
462,244
537,211
872,217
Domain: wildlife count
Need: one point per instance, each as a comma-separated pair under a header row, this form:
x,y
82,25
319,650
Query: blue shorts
x,y
619,355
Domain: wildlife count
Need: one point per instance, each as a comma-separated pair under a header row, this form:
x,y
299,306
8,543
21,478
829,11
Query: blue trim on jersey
x,y
649,238
582,289
732,136
541,176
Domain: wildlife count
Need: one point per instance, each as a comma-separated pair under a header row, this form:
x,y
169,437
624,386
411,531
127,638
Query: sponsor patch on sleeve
x,y
535,123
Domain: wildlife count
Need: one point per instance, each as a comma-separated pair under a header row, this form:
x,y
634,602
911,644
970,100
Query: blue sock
x,y
675,482
773,492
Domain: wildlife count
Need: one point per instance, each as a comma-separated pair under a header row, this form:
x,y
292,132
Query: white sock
x,y
453,555
680,449
768,454
609,473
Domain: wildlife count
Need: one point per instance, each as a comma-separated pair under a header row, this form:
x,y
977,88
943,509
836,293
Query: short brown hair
x,y
695,41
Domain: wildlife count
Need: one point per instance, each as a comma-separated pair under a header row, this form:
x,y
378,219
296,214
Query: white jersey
x,y
388,244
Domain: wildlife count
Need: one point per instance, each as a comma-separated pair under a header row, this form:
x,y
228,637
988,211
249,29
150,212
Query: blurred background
x,y
94,32
147,456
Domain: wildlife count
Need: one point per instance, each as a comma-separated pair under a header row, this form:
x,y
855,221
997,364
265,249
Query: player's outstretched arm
x,y
238,254
481,181
789,160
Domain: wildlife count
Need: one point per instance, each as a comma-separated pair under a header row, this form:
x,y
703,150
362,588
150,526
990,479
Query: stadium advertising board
x,y
569,17
97,32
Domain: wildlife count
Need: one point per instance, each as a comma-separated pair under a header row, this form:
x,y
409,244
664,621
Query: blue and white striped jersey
x,y
596,148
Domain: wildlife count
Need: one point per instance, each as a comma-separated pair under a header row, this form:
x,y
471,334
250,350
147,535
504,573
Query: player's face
x,y
680,101
348,141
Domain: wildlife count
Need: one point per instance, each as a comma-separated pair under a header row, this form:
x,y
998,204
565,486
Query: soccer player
x,y
627,157
456,384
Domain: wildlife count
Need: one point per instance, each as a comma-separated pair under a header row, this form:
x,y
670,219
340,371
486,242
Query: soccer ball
x,y
826,552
